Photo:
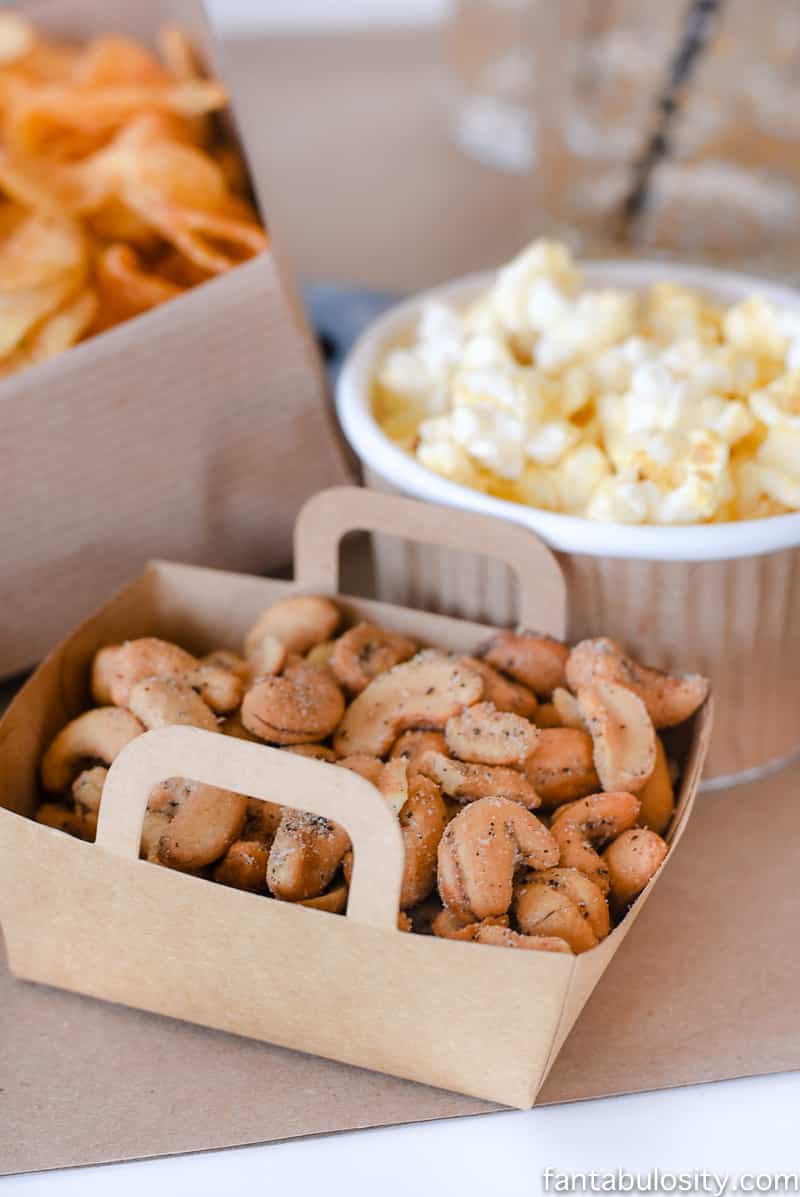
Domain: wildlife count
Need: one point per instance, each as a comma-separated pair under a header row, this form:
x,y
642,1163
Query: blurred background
x,y
408,141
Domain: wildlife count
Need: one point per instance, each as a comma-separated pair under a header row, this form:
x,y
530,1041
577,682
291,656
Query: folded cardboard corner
x,y
64,903
195,430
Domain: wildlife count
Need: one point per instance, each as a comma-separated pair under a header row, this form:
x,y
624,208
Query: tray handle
x,y
331,514
272,775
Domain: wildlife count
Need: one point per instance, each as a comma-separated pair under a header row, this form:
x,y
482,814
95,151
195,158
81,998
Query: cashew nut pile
x,y
529,780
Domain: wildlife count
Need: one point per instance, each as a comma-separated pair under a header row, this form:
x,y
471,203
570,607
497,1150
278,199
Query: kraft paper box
x,y
194,431
95,919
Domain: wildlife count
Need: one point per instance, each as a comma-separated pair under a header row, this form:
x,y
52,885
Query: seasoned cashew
x,y
87,790
632,859
315,752
540,909
657,798
486,736
137,660
505,694
421,693
404,923
303,705
504,937
321,654
497,933
449,925
224,658
81,825
262,820
233,726
393,784
162,702
154,825
267,658
81,820
565,903
567,709
669,697
561,767
206,822
547,716
481,850
423,818
333,900
244,866
467,782
580,827
411,746
368,767
536,661
98,735
298,623
104,666
305,854
364,652
623,738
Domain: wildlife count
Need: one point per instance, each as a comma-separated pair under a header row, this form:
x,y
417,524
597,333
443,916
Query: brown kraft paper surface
x,y
702,989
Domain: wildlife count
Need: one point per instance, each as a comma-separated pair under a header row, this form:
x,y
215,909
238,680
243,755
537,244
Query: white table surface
x,y
732,1128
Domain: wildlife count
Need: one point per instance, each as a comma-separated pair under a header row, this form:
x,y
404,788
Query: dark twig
x,y
698,29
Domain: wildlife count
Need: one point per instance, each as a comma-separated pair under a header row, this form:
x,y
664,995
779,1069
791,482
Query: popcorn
x,y
663,408
550,442
440,453
534,290
623,500
597,320
706,487
778,404
578,476
778,462
758,327
673,313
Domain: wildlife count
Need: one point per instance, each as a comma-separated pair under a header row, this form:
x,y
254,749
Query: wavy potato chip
x,y
22,311
65,327
126,287
117,191
38,250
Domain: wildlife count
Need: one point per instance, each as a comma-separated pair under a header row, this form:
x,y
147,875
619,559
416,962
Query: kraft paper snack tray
x,y
177,433
95,919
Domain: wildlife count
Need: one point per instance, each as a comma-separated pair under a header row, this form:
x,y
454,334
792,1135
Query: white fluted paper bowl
x,y
720,598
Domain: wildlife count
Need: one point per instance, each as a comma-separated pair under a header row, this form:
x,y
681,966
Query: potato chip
x,y
47,63
39,250
24,186
117,190
177,53
64,327
126,286
114,61
214,243
22,311
114,222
